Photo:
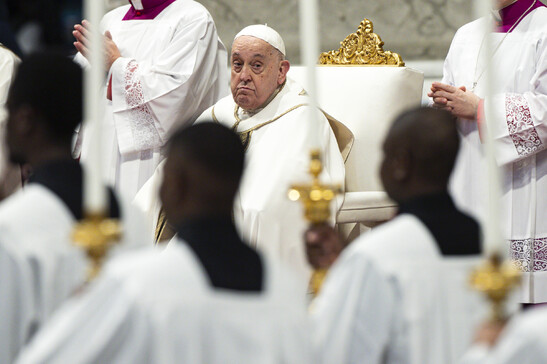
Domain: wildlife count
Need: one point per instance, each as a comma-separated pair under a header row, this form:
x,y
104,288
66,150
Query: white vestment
x,y
10,176
392,298
277,156
39,266
523,341
151,307
172,68
519,109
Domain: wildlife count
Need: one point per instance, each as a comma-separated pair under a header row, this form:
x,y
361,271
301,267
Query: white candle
x,y
493,241
95,195
309,49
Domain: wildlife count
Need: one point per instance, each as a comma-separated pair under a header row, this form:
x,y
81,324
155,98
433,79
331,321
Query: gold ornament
x,y
316,198
363,47
96,235
496,279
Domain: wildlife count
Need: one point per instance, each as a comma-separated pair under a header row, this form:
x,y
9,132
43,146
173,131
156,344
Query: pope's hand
x,y
323,246
460,102
82,33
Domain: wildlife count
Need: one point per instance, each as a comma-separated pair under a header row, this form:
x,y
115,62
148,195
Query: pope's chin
x,y
244,101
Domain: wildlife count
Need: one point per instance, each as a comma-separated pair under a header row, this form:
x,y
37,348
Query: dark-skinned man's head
x,y
202,172
44,105
420,150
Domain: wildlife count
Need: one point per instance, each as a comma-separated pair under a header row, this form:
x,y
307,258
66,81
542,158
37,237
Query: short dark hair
x,y
213,147
431,135
51,84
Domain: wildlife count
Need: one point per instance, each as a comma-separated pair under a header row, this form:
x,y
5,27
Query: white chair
x,y
365,98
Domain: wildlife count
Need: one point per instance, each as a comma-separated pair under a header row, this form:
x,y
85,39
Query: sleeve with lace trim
x,y
148,99
519,126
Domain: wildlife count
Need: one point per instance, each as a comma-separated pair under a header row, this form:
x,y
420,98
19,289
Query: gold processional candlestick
x,y
96,234
316,198
496,279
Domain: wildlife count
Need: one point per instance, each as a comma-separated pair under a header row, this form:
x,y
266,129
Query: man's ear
x,y
284,67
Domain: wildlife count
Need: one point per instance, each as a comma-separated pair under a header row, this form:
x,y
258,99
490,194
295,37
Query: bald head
x,y
420,150
202,172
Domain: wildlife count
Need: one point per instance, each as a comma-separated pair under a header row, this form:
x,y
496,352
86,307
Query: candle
x,y
309,49
493,241
95,196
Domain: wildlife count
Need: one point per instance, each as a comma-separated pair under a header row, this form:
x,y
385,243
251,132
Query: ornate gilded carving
x,y
363,47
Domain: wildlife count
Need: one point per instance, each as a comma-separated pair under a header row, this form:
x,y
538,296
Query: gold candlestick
x,y
316,198
496,279
95,235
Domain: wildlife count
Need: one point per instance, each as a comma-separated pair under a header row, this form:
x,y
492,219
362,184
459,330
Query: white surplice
x,y
523,341
10,176
39,266
519,109
277,156
151,307
392,298
172,68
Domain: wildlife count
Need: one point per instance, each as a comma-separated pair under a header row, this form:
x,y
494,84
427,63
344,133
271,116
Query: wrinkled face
x,y
257,70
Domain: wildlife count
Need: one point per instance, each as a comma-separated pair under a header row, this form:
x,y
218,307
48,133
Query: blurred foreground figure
x,y
39,266
399,294
518,107
207,298
523,341
10,175
165,64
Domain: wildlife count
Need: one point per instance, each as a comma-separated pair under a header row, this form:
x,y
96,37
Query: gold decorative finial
x,y
496,279
316,198
96,235
363,47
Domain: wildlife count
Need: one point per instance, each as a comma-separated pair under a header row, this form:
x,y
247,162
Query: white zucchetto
x,y
265,33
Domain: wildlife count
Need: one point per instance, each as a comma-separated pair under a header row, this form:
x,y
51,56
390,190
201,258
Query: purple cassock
x,y
146,9
511,15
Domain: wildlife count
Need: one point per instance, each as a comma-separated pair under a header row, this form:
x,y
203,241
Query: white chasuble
x,y
519,127
278,141
172,68
39,265
152,307
392,298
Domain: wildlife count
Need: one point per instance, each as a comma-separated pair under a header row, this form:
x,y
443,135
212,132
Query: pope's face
x,y
257,70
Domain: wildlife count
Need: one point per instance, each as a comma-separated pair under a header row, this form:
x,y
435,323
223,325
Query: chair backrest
x,y
366,99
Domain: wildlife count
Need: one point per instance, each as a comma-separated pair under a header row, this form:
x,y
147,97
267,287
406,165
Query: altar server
x,y
400,293
39,266
518,107
207,298
165,64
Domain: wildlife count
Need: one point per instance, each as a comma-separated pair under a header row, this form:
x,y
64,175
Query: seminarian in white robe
x,y
397,295
523,341
172,67
278,144
39,265
519,128
159,307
